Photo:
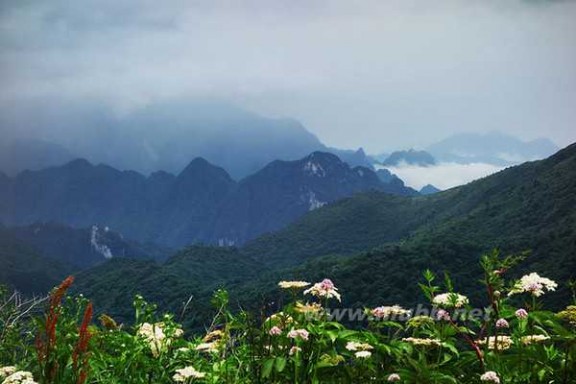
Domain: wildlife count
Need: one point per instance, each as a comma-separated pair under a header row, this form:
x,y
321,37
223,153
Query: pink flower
x,y
325,288
275,331
327,284
443,315
521,313
298,334
502,323
393,377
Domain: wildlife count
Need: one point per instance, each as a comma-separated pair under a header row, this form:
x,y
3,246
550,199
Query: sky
x,y
376,74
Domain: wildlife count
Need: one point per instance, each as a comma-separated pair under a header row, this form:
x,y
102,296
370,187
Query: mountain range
x,y
162,135
305,219
373,246
493,148
202,204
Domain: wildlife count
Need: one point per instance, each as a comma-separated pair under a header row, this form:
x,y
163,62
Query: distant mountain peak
x,y
321,164
410,157
199,167
80,162
323,157
429,189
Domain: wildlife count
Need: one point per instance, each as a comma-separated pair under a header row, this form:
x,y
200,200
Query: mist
x,y
372,74
443,175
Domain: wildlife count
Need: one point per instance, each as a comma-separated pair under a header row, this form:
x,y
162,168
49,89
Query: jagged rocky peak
x,y
320,164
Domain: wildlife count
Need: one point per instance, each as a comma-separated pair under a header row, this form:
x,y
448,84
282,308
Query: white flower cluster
x,y
325,288
490,377
18,377
155,336
533,284
362,350
424,342
530,339
182,375
450,300
502,342
388,312
7,371
293,284
313,308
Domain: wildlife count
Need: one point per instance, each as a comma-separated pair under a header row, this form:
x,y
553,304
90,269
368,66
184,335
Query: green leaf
x,y
333,335
280,364
267,368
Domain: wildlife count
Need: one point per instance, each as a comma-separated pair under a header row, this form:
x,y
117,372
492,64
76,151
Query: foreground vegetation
x,y
448,340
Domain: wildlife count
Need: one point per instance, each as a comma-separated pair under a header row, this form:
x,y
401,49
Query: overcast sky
x,y
381,74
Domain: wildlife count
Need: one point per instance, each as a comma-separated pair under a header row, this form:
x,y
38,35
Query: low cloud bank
x,y
443,175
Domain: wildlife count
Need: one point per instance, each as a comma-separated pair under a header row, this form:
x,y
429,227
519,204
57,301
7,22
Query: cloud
x,y
378,74
443,175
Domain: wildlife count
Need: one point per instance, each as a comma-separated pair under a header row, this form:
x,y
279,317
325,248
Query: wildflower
x,y
108,322
363,354
7,371
80,356
521,314
533,284
313,308
442,314
424,342
293,284
450,300
183,374
356,346
500,343
568,315
387,312
490,377
20,377
294,350
154,334
393,377
325,288
207,347
527,340
214,335
327,359
502,323
298,334
275,331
